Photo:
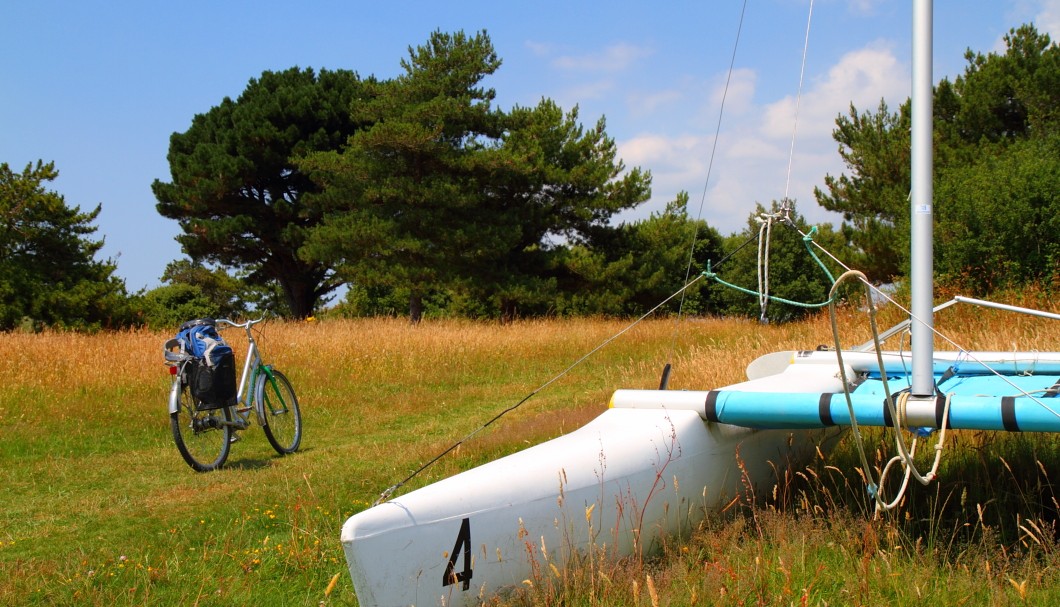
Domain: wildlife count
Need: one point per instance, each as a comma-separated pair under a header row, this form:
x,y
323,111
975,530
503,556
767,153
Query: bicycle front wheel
x,y
203,437
279,407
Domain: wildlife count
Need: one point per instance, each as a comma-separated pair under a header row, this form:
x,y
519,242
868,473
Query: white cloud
x,y
1047,19
642,104
751,163
674,156
614,58
540,49
1044,14
863,7
585,91
861,77
740,93
590,77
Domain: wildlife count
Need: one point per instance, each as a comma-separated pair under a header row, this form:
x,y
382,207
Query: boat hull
x,y
620,484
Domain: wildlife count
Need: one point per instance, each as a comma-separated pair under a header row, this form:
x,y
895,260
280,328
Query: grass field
x,y
99,509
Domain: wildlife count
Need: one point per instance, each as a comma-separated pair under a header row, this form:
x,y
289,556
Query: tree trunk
x,y
509,311
415,308
300,296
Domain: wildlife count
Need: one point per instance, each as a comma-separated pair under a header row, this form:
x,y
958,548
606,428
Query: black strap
x,y
710,407
940,412
824,409
1008,413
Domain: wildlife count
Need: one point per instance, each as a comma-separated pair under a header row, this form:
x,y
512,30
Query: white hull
x,y
653,465
644,473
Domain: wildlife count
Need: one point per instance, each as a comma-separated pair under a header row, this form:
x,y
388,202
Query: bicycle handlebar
x,y
242,325
174,354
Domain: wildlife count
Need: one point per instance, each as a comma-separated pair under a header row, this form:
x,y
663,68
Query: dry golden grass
x,y
91,473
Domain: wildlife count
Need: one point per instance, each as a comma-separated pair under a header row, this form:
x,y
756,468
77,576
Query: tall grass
x,y
99,509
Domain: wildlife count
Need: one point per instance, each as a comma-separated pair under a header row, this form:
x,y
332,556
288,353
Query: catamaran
x,y
658,461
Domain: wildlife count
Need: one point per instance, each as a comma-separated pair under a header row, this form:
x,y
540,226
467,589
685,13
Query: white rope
x,y
785,210
764,237
959,348
905,456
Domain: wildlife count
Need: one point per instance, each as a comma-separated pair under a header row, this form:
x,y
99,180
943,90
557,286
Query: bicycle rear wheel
x,y
203,437
279,407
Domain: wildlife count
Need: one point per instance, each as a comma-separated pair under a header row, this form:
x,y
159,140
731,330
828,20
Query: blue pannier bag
x,y
212,370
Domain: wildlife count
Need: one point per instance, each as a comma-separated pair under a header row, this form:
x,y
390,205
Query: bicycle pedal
x,y
235,438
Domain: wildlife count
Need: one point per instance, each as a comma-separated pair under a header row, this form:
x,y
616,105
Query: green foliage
x,y
999,218
995,130
874,198
168,306
792,273
392,301
622,272
443,193
631,270
1013,95
401,205
236,191
564,186
194,291
423,197
48,271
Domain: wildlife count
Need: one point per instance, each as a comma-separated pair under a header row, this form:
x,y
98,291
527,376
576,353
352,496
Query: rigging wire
x,y
914,318
798,100
706,183
385,495
682,291
786,204
905,456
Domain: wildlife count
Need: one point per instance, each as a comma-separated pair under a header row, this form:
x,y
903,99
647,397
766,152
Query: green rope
x,y
711,275
807,239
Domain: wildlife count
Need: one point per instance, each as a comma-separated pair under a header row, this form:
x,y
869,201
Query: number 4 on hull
x,y
463,540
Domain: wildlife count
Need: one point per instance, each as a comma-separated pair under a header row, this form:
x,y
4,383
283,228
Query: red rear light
x,y
172,370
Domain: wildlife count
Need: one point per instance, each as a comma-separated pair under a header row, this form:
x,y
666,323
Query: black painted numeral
x,y
463,540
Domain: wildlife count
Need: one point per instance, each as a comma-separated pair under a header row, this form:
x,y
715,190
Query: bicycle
x,y
204,436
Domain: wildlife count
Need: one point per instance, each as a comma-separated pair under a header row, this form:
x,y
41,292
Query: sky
x,y
99,87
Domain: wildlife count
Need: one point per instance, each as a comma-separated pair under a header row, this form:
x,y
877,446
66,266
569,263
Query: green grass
x,y
815,541
99,509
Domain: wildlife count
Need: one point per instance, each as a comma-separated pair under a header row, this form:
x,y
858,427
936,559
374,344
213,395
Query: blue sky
x,y
98,87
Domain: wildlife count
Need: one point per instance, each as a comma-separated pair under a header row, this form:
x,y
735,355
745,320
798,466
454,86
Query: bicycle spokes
x,y
203,437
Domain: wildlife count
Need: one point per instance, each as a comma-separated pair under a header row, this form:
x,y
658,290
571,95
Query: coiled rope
x,y
905,456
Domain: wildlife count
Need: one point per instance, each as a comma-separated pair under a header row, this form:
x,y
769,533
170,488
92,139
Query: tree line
x,y
417,196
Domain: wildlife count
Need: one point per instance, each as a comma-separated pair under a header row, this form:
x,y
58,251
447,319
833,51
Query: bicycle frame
x,y
265,390
252,366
